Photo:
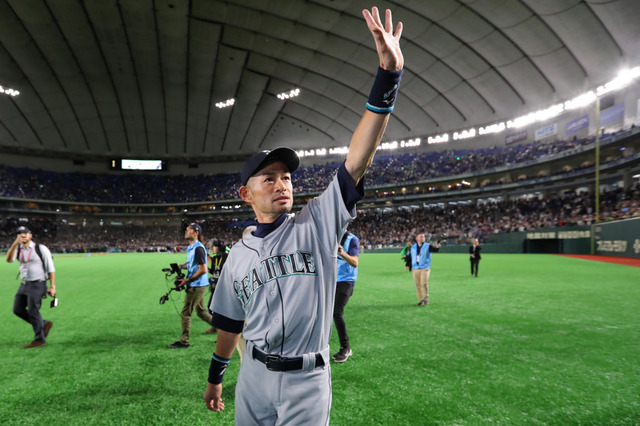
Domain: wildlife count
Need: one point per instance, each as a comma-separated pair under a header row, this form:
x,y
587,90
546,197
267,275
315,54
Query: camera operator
x,y
196,284
36,266
219,250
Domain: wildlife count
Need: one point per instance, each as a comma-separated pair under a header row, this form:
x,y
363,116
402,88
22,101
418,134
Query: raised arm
x,y
369,132
11,253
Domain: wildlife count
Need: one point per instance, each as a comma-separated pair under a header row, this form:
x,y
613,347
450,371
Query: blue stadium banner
x,y
577,124
546,131
612,114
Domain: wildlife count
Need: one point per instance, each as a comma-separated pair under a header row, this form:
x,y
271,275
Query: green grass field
x,y
535,340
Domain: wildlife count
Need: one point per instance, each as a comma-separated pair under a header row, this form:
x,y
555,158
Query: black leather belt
x,y
282,363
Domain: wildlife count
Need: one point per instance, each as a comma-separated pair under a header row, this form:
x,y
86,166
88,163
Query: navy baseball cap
x,y
23,230
263,158
196,227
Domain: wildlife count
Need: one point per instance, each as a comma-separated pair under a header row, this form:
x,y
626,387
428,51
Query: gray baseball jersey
x,y
283,285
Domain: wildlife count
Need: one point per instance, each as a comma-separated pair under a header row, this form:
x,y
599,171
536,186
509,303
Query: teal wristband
x,y
384,91
217,368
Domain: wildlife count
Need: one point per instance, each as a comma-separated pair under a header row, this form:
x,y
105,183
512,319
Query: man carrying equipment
x,y
196,283
281,278
36,267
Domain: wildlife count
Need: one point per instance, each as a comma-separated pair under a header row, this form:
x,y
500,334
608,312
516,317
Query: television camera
x,y
174,269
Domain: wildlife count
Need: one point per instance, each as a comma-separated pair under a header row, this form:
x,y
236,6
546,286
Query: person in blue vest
x,y
421,264
348,252
196,282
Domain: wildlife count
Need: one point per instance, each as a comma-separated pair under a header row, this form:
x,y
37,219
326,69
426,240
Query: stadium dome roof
x,y
140,78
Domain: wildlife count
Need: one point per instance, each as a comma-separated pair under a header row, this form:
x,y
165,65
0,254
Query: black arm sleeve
x,y
200,256
226,323
351,193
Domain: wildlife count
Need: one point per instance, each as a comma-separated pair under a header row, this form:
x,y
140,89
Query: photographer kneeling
x,y
197,282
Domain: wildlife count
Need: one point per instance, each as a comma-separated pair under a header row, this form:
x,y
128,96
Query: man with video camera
x,y
36,267
196,283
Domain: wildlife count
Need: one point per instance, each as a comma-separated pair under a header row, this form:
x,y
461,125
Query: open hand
x,y
387,43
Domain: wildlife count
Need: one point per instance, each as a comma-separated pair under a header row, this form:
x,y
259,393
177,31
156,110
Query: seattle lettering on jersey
x,y
272,268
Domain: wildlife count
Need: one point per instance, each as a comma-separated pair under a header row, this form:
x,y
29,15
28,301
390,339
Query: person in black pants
x,y
36,268
474,252
348,252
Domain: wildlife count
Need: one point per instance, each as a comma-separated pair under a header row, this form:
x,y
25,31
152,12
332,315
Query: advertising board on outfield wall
x,y
619,238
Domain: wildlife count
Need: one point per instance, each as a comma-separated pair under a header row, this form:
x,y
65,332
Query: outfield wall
x,y
575,239
619,238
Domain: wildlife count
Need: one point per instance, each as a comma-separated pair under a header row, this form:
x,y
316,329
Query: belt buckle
x,y
269,359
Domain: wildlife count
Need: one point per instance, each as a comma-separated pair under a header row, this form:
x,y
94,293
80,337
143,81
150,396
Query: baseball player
x,y
281,278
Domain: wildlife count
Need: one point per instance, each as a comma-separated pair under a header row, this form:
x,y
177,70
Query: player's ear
x,y
245,193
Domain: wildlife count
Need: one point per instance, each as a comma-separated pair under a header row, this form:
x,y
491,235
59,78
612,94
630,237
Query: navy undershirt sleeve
x,y
351,193
226,323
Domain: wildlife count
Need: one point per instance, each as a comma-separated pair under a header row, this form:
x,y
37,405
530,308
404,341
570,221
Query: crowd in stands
x,y
124,188
376,227
454,223
147,188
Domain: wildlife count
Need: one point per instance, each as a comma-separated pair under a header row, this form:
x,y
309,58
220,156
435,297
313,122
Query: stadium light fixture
x,y
465,134
623,79
290,94
410,143
581,101
9,92
226,104
492,128
553,111
388,145
339,151
438,139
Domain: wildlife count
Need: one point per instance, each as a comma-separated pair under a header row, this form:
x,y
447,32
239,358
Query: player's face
x,y
269,192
